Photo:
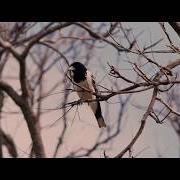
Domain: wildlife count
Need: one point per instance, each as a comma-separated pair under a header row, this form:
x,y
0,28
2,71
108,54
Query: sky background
x,y
83,132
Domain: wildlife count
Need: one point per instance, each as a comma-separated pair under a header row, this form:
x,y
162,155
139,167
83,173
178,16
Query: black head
x,y
77,72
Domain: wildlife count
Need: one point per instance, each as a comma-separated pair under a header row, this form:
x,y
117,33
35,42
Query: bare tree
x,y
42,50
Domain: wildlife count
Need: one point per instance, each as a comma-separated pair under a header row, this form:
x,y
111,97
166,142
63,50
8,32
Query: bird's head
x,y
77,71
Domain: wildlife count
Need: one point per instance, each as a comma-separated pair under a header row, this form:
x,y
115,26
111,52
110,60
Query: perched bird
x,y
83,78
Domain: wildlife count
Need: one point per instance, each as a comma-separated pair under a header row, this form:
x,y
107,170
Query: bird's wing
x,y
94,82
88,83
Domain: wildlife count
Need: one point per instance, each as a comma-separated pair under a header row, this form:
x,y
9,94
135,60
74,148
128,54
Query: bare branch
x,y
29,116
9,143
141,128
176,27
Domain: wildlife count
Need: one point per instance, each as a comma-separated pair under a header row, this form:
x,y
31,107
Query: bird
x,y
83,78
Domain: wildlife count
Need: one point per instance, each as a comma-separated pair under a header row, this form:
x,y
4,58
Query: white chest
x,y
87,84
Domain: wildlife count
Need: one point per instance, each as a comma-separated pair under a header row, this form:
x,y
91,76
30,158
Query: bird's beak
x,y
71,68
69,71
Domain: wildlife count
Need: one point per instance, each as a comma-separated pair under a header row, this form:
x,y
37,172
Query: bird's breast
x,y
83,94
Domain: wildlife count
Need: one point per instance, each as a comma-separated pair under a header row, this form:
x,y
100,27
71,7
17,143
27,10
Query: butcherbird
x,y
83,78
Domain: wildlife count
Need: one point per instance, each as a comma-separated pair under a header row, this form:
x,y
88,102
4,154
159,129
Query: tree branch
x,y
29,116
176,27
143,122
42,34
9,143
149,110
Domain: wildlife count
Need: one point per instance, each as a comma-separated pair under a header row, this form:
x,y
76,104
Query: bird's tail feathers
x,y
101,122
96,108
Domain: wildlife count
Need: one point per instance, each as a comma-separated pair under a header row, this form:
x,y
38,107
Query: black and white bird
x,y
84,79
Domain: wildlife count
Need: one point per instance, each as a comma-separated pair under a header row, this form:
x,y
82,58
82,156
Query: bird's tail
x,y
96,108
101,122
